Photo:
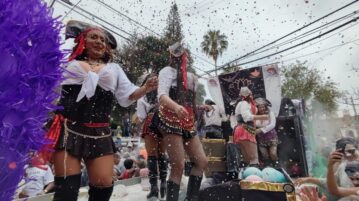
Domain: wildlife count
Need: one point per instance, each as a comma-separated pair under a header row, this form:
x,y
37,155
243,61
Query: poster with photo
x,y
263,81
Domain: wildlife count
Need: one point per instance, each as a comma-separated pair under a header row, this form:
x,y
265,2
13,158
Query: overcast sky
x,y
248,25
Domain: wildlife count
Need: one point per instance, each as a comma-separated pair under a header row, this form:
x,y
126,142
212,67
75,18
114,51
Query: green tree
x,y
144,55
231,68
139,56
301,82
173,31
214,44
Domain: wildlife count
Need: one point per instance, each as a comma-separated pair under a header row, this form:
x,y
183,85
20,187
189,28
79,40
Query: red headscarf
x,y
184,70
80,40
251,102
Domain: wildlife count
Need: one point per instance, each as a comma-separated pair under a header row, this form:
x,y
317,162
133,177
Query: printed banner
x,y
263,81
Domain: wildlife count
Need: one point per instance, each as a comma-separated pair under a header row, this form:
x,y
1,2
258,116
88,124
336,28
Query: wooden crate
x,y
214,147
215,164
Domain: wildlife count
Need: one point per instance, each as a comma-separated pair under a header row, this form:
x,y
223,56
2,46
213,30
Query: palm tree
x,y
213,45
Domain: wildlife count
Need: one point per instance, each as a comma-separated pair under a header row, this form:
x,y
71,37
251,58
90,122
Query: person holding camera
x,y
343,169
346,152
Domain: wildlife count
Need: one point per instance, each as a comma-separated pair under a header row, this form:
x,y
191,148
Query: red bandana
x,y
184,71
80,40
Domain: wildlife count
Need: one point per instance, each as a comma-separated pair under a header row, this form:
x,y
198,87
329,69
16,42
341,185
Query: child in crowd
x,y
116,166
38,177
143,170
130,170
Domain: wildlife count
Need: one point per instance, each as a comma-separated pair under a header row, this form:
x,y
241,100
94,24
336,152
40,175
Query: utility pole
x,y
355,111
52,3
65,1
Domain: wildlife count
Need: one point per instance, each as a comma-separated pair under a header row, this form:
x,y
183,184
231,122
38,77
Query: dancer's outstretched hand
x,y
151,83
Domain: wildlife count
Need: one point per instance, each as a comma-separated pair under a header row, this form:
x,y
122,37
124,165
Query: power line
x,y
316,52
71,9
345,103
196,6
294,46
124,15
317,29
102,20
108,29
204,8
318,41
315,21
332,47
146,28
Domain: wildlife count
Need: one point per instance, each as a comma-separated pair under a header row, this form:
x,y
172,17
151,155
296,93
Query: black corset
x,y
189,96
96,109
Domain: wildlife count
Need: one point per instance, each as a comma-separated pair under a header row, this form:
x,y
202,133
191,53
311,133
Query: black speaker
x,y
291,150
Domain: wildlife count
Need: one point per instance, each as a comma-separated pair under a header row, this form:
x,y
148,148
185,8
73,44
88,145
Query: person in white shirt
x,y
244,132
116,166
266,134
91,83
147,106
37,176
213,117
176,93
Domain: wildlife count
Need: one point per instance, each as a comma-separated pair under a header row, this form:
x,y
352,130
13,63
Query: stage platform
x,y
124,190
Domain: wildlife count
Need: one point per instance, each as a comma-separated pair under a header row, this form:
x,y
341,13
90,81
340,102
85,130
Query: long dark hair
x,y
176,62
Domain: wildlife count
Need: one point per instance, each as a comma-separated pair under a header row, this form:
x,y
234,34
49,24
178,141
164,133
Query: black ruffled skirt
x,y
86,142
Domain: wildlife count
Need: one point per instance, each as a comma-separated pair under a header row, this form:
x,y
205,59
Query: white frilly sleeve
x,y
124,88
141,109
244,109
271,124
165,79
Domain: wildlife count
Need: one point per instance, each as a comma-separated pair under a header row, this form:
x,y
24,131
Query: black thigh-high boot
x,y
194,183
163,165
153,172
172,191
100,193
67,188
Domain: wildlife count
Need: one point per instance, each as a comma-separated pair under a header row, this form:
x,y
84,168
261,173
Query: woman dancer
x,y
267,135
146,106
90,83
244,133
176,94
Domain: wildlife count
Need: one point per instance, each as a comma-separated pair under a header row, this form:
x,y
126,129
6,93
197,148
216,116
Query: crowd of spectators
x,y
129,162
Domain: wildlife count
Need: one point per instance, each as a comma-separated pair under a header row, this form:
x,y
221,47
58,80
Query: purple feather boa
x,y
30,70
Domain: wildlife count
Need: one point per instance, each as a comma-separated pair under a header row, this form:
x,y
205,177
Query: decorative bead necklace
x,y
94,65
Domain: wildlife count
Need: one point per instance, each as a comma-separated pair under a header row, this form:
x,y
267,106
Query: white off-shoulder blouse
x,y
244,108
143,107
110,78
167,78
